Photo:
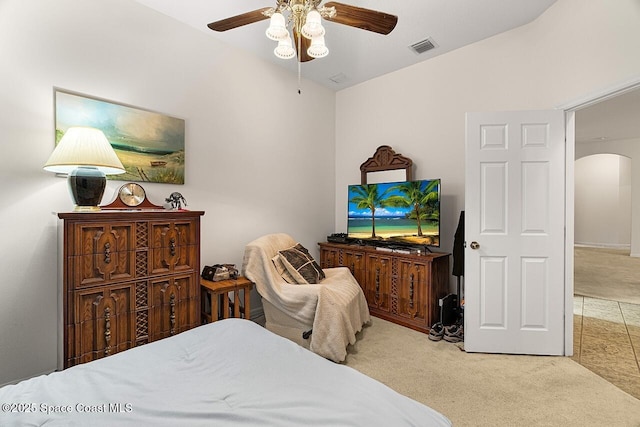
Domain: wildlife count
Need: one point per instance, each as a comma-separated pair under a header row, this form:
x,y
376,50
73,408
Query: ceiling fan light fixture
x,y
317,49
285,49
313,25
290,16
277,27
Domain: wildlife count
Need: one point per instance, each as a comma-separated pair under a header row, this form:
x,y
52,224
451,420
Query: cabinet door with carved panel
x,y
173,308
378,282
356,261
103,253
329,257
413,292
103,323
345,256
173,246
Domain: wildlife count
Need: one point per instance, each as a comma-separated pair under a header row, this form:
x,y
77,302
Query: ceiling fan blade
x,y
239,20
301,50
366,19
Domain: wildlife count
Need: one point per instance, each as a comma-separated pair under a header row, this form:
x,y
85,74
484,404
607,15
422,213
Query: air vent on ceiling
x,y
338,78
423,46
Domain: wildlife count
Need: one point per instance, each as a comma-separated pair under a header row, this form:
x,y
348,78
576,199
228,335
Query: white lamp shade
x,y
313,25
317,48
285,50
84,146
277,28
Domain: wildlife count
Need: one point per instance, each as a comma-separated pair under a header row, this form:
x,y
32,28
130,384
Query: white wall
x,y
575,48
603,200
630,149
251,162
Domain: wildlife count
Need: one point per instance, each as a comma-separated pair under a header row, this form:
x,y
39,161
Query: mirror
x,y
386,176
387,166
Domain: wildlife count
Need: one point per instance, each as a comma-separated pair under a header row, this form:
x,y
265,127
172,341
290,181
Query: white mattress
x,y
228,373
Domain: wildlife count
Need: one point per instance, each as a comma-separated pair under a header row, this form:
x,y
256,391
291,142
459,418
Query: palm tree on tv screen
x,y
421,196
367,197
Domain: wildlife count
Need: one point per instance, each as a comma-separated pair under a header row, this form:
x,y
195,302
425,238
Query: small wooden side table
x,y
218,294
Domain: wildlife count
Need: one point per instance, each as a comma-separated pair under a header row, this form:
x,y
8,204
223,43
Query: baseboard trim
x,y
602,245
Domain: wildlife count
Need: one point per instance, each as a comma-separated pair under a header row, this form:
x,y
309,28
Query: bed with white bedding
x,y
227,373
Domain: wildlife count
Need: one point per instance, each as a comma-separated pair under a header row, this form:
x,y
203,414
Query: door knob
x,y
475,245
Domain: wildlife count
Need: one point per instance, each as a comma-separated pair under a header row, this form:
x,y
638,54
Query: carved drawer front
x,y
413,292
103,253
103,323
174,306
378,283
174,246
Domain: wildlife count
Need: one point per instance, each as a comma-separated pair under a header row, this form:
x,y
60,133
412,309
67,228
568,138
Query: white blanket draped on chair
x,y
336,306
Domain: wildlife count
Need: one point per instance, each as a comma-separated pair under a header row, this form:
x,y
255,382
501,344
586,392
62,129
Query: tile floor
x,y
607,340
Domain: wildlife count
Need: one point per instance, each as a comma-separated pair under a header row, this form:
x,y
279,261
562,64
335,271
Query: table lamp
x,y
85,154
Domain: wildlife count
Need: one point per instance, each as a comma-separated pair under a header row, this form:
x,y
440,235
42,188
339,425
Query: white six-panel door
x,y
514,232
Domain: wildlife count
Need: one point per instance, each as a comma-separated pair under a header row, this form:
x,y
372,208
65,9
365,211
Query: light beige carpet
x,y
607,273
489,390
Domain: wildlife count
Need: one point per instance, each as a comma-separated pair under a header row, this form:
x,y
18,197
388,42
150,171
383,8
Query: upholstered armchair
x,y
321,310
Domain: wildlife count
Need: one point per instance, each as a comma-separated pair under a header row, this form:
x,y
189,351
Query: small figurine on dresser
x,y
176,200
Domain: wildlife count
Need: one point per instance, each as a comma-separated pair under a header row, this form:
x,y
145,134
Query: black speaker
x,y
448,309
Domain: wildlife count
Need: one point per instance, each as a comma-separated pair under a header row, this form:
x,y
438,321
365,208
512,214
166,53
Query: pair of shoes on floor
x,y
451,333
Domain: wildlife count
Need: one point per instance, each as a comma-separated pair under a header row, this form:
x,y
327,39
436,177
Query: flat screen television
x,y
402,213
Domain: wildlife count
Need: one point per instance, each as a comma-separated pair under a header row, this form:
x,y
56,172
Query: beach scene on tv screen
x,y
400,212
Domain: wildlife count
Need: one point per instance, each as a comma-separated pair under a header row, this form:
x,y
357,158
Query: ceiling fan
x,y
303,16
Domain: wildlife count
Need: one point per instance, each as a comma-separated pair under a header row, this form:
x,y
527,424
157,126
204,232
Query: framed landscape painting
x,y
150,145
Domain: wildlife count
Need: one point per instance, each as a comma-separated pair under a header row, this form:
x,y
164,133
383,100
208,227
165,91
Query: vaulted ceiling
x,y
356,55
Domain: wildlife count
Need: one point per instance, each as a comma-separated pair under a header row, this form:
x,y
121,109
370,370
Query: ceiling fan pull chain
x,y
299,62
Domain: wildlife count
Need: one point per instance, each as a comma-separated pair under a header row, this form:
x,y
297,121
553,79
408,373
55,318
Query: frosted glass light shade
x,y
317,48
277,28
84,146
313,25
285,50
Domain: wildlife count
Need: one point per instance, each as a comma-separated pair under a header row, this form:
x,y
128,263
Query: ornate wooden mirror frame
x,y
385,159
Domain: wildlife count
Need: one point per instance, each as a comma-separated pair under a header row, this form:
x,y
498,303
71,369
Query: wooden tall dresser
x,y
129,277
